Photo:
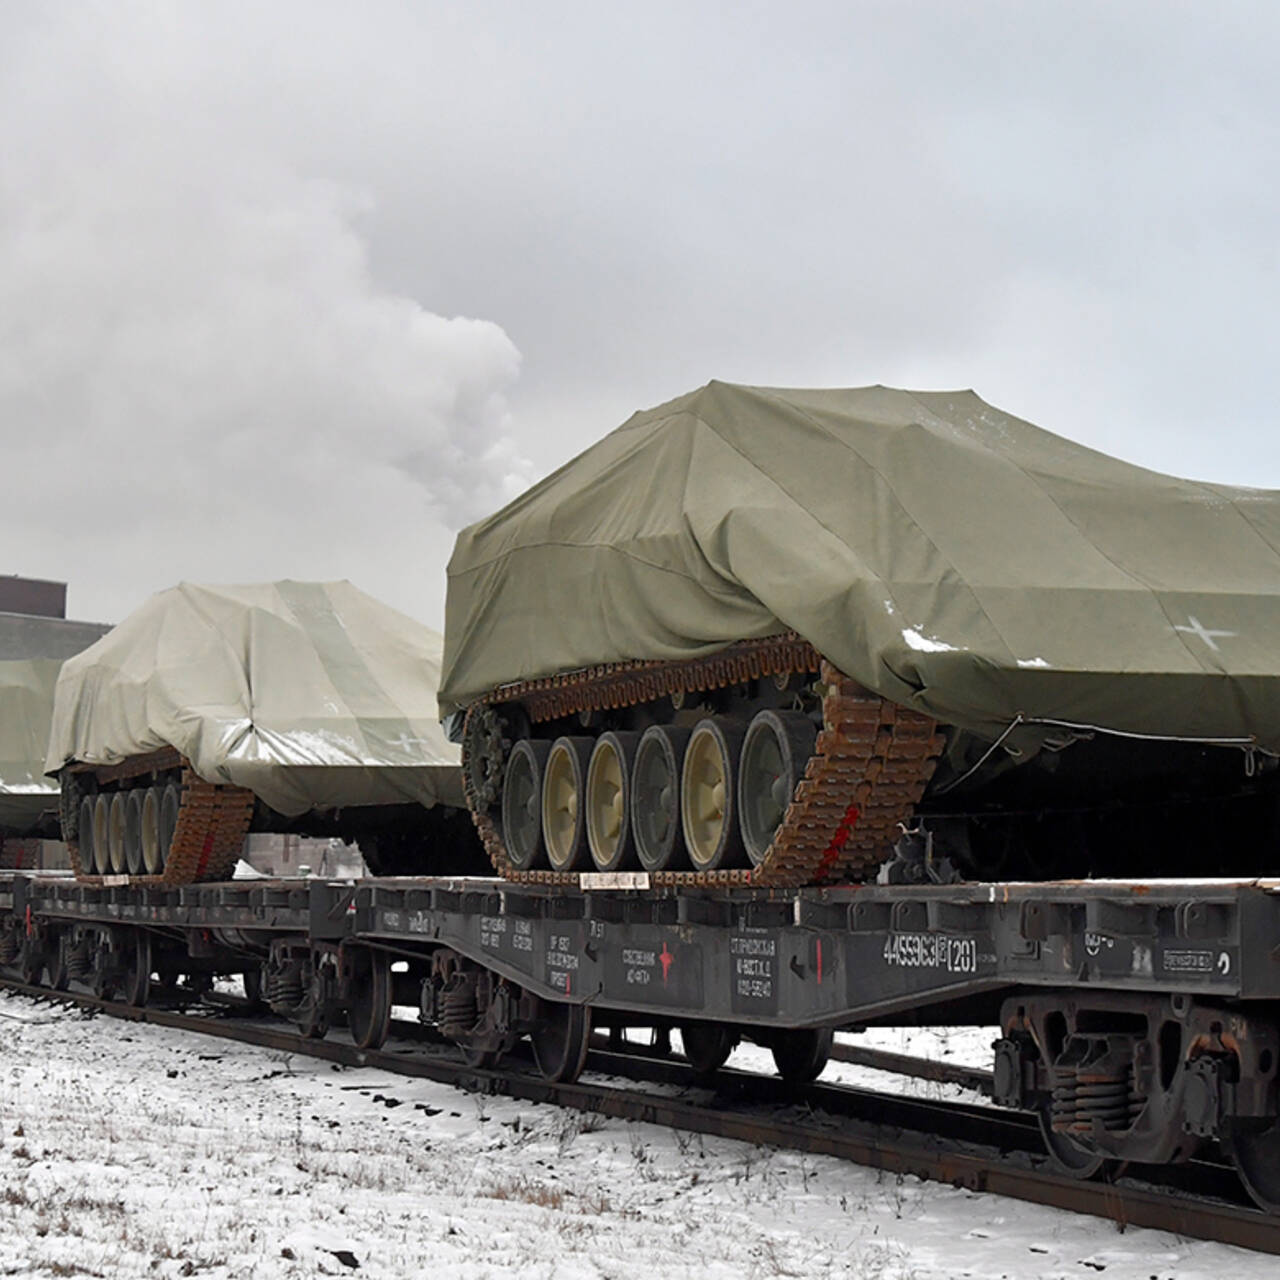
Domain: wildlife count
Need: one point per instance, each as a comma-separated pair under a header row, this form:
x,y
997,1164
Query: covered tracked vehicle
x,y
782,637
213,711
28,800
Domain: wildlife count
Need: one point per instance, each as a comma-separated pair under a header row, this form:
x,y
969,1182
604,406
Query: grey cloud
x,y
1071,208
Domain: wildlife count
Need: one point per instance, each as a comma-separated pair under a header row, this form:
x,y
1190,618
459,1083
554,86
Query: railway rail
x,y
970,1147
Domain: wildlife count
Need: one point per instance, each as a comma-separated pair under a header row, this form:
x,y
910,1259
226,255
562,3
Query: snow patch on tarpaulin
x,y
930,545
312,695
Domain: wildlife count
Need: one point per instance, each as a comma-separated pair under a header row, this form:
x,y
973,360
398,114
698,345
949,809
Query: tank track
x,y
868,771
213,821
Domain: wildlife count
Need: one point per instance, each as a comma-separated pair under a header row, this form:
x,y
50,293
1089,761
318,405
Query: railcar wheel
x,y
102,835
149,831
522,804
133,831
251,981
1254,1149
311,1022
369,1004
655,798
707,1045
560,1042
609,801
31,963
776,749
1068,1156
137,986
170,804
801,1055
563,810
88,808
480,1059
58,970
707,802
117,819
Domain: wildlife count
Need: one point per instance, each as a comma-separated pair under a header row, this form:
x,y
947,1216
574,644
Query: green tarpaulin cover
x,y
313,695
26,704
940,551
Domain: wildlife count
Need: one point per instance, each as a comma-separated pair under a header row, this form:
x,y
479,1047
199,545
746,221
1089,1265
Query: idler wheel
x,y
522,804
655,797
801,1055
117,819
609,801
102,835
707,802
133,830
170,806
563,810
88,807
774,754
707,1045
149,831
560,1040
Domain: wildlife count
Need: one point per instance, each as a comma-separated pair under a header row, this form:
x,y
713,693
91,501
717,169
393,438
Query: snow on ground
x,y
130,1150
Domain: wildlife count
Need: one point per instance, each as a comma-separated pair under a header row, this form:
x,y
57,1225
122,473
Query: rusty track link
x,y
868,771
213,821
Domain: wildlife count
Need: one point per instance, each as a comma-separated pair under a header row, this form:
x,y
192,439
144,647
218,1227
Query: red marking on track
x,y
838,839
205,853
667,960
28,919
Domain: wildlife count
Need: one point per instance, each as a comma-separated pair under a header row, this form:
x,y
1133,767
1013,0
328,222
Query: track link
x,y
213,821
868,771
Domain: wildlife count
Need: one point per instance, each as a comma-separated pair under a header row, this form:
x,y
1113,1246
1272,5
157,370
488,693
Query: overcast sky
x,y
296,289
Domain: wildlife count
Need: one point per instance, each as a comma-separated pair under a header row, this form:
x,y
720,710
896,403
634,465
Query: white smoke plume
x,y
200,376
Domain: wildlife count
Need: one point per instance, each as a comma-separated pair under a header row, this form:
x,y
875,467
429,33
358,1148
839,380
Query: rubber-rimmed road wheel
x,y
774,754
117,820
170,805
102,835
563,811
133,831
655,797
707,801
88,807
522,804
609,801
149,831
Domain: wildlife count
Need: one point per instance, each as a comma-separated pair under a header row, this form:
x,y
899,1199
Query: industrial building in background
x,y
36,637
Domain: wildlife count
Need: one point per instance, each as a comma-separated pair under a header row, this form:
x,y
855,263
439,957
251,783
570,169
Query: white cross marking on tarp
x,y
1197,628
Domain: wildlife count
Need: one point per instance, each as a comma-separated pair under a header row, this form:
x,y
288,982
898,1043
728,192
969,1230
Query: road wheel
x,y
563,810
775,752
707,803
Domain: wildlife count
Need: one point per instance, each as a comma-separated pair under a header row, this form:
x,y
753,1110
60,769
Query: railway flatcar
x,y
784,637
214,711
